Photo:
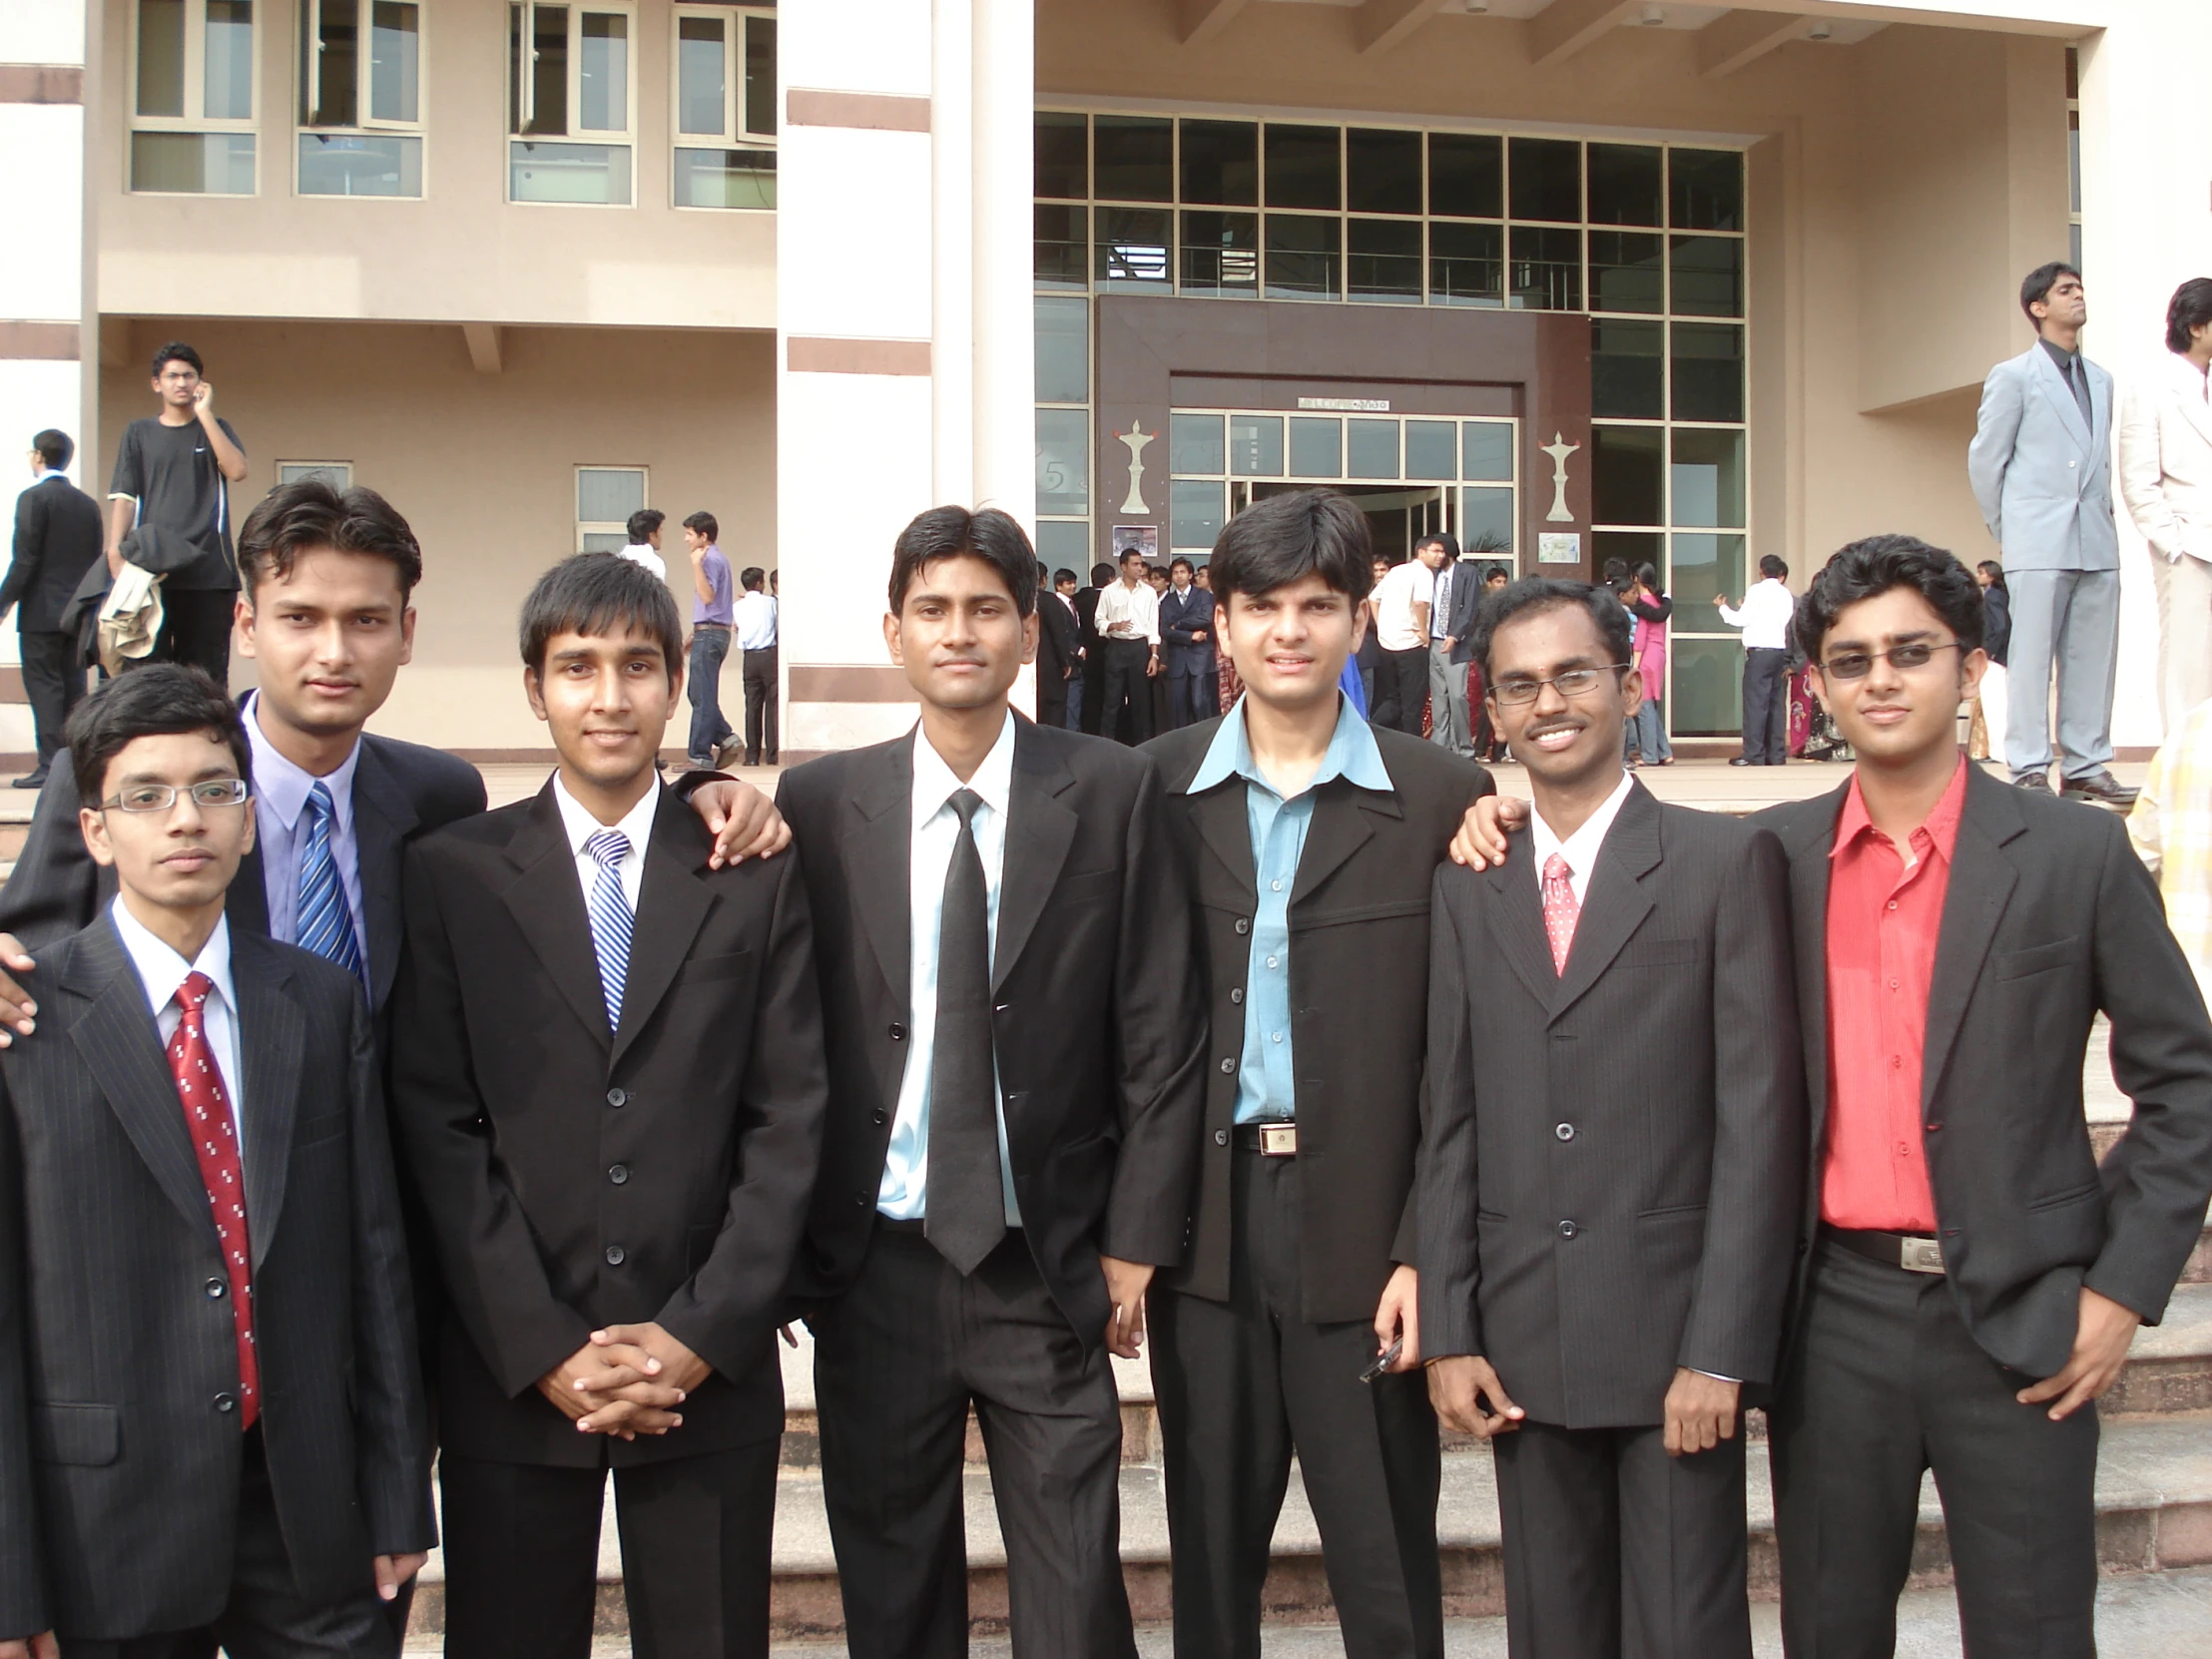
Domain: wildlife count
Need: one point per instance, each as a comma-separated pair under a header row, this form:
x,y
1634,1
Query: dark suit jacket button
x,y
615,1097
1242,926
1221,1137
618,1173
1565,1131
216,1290
226,1403
1228,1065
1237,995
615,1254
1569,1230
877,1116
860,1201
898,1033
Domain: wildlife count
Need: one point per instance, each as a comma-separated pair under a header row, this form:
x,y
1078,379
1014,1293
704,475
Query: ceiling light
x,y
1653,17
1819,31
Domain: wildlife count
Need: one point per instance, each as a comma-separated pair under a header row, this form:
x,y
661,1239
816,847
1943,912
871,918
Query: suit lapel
x,y
672,907
1039,830
1981,882
2062,396
2185,386
1808,872
1225,826
247,903
271,1036
547,903
878,851
384,818
1339,828
1519,924
1615,904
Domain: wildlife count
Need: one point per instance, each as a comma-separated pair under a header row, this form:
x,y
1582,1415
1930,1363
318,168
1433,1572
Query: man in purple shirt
x,y
710,643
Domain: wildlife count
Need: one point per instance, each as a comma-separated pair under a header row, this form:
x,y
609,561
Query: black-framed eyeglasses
x,y
1576,681
160,798
1857,665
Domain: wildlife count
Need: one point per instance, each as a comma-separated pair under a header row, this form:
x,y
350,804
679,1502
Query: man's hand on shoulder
x,y
16,1005
1487,830
742,820
40,1646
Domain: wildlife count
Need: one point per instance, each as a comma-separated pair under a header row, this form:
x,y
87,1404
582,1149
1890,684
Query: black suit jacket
x,y
577,1178
58,534
1182,615
119,1475
2049,919
1608,1184
1100,1034
1056,639
1086,619
1359,994
1465,600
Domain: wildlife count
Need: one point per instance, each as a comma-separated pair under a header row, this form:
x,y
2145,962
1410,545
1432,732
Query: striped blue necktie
x,y
326,920
610,918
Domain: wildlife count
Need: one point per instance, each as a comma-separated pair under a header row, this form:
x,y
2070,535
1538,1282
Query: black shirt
x,y
173,472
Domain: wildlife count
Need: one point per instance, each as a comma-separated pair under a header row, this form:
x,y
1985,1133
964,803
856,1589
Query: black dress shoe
x,y
2034,780
1743,761
2102,787
32,780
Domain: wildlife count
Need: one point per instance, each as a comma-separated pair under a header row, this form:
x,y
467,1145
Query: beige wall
x,y
483,467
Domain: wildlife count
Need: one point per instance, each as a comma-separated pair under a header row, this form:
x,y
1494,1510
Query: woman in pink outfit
x,y
1651,609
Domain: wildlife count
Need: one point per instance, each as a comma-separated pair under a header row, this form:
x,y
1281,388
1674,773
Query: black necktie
x,y
965,1196
2077,381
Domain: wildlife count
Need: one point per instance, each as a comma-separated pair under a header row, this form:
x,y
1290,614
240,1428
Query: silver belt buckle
x,y
1278,1140
1921,1256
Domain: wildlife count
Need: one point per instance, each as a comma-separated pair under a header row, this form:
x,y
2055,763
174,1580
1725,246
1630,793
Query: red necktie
x,y
214,1143
1561,910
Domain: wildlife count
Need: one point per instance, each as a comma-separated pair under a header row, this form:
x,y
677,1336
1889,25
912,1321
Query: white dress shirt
x,y
1765,617
1138,606
754,616
1581,849
904,1194
1395,627
281,792
642,553
637,823
163,972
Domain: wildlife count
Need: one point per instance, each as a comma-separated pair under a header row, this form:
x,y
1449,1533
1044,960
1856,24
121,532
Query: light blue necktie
x,y
325,921
610,918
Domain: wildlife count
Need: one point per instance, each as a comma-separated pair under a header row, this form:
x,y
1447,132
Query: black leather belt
x,y
1270,1140
1911,1252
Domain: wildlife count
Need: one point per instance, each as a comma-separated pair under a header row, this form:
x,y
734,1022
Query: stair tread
x,y
2185,1334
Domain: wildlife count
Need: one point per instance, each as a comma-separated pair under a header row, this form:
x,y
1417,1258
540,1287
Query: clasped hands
x,y
1700,1410
626,1380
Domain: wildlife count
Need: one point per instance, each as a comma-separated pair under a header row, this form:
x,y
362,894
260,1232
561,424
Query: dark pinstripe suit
x,y
1609,1191
120,1470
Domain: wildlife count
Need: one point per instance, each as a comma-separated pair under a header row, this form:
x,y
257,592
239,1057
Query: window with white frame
x,y
572,103
337,474
361,98
723,92
606,496
192,104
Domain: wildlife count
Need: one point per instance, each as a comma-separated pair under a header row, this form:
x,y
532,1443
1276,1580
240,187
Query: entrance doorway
x,y
1397,518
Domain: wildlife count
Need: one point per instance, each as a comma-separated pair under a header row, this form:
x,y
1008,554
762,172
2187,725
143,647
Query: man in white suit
x,y
2166,480
2041,471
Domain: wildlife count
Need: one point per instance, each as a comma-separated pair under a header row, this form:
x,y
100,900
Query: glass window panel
x,y
2073,160
1702,568
349,164
1627,185
1256,446
1707,372
1064,155
227,71
1467,264
1704,190
1133,247
1063,461
160,57
1063,246
1487,522
1221,254
1632,548
1628,474
1628,369
1372,448
1065,545
1135,158
702,73
1626,273
1546,176
1486,449
603,80
1382,170
1383,260
549,69
603,541
1546,269
760,76
192,164
1466,175
1432,449
608,494
725,178
1195,444
1317,447
1705,696
1708,477
1194,513
1221,163
1063,351
396,62
1708,276
1303,258
1302,166
588,173
337,474
338,66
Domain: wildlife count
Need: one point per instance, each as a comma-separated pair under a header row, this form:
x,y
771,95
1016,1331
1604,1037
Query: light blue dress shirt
x,y
281,824
1267,1081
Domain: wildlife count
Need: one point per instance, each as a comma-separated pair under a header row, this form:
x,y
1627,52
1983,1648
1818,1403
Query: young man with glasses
x,y
1605,1234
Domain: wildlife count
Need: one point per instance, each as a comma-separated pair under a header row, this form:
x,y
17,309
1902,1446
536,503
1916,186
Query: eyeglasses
x,y
1857,665
1574,683
160,798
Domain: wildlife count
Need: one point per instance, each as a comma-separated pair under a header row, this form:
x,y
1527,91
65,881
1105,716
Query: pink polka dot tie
x,y
1561,910
214,1143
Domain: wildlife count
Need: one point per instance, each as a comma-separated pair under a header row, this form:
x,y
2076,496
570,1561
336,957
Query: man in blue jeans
x,y
710,642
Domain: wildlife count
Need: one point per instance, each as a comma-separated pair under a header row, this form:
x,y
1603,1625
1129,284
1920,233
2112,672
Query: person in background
x,y
1765,620
1057,653
712,615
1997,641
2171,827
1450,615
1367,656
2166,481
1064,589
1204,579
757,615
1651,610
1094,646
57,538
1401,611
1489,742
1187,627
644,531
1129,630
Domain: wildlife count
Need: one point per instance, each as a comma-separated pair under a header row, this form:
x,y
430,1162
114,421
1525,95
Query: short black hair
x,y
991,535
642,523
54,450
2035,287
1648,574
1184,563
148,702
1132,551
752,578
1549,593
2190,307
177,352
1995,572
598,594
310,513
1870,568
1772,567
1444,540
1063,574
1616,572
704,524
1101,574
1287,538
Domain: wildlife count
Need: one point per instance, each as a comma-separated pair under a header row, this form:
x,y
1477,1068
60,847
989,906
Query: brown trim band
x,y
40,83
879,112
11,685
803,354
849,683
51,343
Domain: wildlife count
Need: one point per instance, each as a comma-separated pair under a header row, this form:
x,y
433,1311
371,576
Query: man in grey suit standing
x,y
2040,463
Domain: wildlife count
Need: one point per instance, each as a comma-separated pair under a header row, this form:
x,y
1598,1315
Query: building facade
x,y
1574,278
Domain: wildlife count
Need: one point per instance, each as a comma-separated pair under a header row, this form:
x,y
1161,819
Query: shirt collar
x,y
1352,755
2058,354
161,970
1941,826
936,783
46,472
577,820
1581,849
283,786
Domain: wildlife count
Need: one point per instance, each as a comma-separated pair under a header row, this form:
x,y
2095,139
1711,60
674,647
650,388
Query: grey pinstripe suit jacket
x,y
119,1469
1610,1161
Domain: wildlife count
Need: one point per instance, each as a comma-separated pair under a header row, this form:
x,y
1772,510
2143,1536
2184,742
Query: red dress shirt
x,y
1884,916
